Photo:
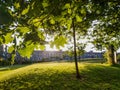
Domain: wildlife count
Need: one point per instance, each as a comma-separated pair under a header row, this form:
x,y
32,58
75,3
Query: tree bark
x,y
110,55
75,53
115,57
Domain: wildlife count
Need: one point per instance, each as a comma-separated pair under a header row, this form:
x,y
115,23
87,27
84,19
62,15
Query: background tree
x,y
106,26
80,48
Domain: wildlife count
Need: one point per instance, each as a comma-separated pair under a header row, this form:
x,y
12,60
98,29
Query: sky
x,y
89,47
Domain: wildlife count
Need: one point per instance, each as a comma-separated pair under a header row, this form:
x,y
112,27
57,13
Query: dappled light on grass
x,y
61,76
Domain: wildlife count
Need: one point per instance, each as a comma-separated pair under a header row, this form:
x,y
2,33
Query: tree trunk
x,y
115,57
110,55
79,55
75,53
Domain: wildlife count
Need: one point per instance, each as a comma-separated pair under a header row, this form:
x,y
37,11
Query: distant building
x,y
46,55
61,55
3,51
39,55
92,54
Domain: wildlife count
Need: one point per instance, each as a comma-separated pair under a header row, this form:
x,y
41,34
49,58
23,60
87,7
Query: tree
x,y
33,19
106,26
81,50
57,15
74,19
106,40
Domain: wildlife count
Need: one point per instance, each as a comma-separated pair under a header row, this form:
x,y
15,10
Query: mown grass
x,y
60,76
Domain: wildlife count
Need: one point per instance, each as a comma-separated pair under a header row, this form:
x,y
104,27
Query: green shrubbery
x,y
26,61
4,62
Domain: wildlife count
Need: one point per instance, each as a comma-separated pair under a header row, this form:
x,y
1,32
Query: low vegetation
x,y
60,76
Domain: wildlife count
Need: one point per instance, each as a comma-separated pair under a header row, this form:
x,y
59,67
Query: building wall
x,y
60,55
3,51
46,55
92,55
39,55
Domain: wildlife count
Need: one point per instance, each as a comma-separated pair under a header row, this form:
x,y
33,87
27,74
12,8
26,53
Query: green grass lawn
x,y
60,76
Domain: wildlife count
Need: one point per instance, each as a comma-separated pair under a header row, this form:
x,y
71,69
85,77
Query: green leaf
x,y
45,4
41,35
25,11
23,30
8,38
69,23
98,12
10,49
27,51
78,18
52,21
42,47
83,11
17,5
67,5
69,11
64,13
58,41
38,24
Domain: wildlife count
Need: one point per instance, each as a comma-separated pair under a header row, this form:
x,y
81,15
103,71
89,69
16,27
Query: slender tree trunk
x,y
110,55
79,55
115,57
75,54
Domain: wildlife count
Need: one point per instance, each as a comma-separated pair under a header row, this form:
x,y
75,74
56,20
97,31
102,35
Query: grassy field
x,y
60,76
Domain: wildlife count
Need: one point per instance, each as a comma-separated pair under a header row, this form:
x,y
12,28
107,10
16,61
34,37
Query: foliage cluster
x,y
32,20
5,62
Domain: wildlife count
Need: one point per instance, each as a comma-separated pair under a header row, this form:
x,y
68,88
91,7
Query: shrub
x,y
105,56
27,61
4,62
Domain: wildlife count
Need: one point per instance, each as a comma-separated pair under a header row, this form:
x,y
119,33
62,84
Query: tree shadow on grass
x,y
47,80
103,77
